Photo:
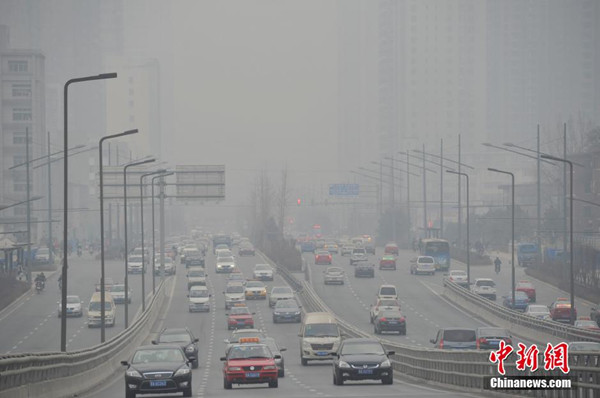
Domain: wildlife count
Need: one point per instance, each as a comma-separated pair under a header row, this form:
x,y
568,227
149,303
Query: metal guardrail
x,y
461,369
548,327
65,374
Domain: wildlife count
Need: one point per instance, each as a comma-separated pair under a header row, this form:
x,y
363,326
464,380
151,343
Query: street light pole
x,y
572,282
28,260
468,223
512,248
126,279
102,286
142,236
153,228
65,267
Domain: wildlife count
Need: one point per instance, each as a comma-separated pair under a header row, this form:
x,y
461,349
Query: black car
x,y
276,351
370,248
162,369
287,311
182,337
195,261
389,321
364,270
362,359
488,338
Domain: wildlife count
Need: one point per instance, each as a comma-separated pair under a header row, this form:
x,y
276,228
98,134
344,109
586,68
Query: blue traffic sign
x,y
343,189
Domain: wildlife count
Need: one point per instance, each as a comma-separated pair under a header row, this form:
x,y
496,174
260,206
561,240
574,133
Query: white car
x,y
280,293
234,293
135,264
196,276
225,264
169,266
383,305
199,299
333,275
538,311
346,250
118,293
263,272
423,265
457,276
485,287
73,307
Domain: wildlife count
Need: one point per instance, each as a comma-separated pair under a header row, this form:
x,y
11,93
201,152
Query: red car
x,y
250,363
391,248
387,262
560,310
240,318
527,288
323,257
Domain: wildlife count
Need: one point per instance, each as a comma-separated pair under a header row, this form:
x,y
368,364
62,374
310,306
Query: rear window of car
x,y
387,291
460,335
493,332
426,260
486,283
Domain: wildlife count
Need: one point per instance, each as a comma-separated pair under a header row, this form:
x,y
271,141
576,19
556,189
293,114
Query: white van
x,y
387,292
319,337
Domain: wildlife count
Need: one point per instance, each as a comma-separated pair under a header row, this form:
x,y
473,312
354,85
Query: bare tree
x,y
283,199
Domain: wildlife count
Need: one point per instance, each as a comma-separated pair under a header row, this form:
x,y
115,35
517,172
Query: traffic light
x,y
299,201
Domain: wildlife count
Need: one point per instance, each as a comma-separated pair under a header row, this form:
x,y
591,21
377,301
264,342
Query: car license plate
x,y
365,371
158,383
252,374
393,322
322,353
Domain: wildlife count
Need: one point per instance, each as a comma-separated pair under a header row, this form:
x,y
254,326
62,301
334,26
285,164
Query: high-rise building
x,y
22,109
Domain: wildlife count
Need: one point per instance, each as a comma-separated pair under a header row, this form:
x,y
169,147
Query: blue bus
x,y
439,249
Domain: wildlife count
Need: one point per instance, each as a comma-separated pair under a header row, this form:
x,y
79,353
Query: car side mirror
x,y
154,342
196,340
223,358
391,353
191,359
124,363
432,341
282,349
276,356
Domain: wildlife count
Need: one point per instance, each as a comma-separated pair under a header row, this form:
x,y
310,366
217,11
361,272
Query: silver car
x,y
334,275
280,293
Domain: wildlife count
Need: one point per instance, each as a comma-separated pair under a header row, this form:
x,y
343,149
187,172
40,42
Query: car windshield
x,y
198,293
249,351
286,304
426,260
489,283
157,355
321,330
460,335
225,259
362,349
387,291
391,314
235,289
117,288
43,250
528,248
135,259
262,267
388,303
240,311
526,285
175,338
281,290
255,284
196,273
73,300
334,270
96,306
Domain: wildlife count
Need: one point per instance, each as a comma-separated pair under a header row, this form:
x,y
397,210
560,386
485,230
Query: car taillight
x,y
402,319
383,319
441,343
508,341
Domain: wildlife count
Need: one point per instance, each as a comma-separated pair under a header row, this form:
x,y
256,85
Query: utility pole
x,y
424,194
162,229
408,198
539,203
393,199
28,260
109,235
459,243
50,242
441,187
565,194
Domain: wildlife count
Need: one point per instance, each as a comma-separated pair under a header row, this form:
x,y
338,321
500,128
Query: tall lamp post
x,y
572,281
468,222
65,267
102,293
512,240
125,235
142,236
165,174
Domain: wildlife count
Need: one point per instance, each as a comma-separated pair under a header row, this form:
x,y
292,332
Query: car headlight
x,y
182,372
306,345
343,364
234,368
269,367
386,364
133,373
297,313
189,348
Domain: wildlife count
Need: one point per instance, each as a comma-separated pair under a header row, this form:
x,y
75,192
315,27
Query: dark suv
x,y
455,338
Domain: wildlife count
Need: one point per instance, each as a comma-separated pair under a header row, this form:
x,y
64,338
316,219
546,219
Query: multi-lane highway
x,y
32,325
314,380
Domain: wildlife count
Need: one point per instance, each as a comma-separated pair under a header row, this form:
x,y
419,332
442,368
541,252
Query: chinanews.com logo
x,y
555,357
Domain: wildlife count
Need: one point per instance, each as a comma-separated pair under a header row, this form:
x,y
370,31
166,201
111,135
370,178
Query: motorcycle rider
x,y
497,264
40,278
